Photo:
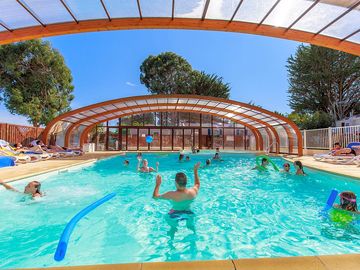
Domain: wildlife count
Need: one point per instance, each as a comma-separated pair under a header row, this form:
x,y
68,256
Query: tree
x,y
325,80
318,119
209,85
166,73
34,81
169,73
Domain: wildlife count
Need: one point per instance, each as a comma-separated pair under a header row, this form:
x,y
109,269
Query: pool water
x,y
240,213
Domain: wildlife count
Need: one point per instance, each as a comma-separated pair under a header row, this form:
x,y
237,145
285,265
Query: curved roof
x,y
250,116
329,23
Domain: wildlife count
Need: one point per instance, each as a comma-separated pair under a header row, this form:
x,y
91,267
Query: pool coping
x,y
321,262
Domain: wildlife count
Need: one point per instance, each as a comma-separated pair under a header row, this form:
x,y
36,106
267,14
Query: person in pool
x,y
181,199
299,168
145,166
286,167
347,202
217,156
264,163
187,158
126,162
32,188
181,157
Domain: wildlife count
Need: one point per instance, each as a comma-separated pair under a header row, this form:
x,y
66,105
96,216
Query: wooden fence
x,y
19,134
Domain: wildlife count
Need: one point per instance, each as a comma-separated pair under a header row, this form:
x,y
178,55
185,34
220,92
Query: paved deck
x,y
20,171
333,262
347,170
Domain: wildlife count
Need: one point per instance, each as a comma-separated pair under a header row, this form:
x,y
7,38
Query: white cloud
x,y
130,84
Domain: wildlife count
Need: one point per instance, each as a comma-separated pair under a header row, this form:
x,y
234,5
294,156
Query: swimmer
x,y
347,202
217,156
126,162
187,158
181,199
299,168
145,166
264,163
139,156
286,167
207,162
181,157
32,188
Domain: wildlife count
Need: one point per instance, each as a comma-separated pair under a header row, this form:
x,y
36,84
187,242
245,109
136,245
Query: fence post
x,y
330,137
305,142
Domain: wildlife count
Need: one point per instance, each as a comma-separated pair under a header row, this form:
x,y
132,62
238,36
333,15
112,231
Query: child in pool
x,y
32,188
126,162
347,202
264,163
299,168
286,167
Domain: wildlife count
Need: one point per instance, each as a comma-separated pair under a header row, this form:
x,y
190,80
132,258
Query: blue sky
x,y
105,65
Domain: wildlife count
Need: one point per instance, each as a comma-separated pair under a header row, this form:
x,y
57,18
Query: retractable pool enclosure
x,y
175,122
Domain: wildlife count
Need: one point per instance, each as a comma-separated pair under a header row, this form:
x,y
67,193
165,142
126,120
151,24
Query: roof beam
x,y
139,8
173,10
5,26
205,10
31,12
350,35
302,15
267,14
236,10
69,11
105,9
339,17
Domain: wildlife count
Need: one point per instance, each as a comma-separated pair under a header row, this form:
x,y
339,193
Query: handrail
x,y
64,239
267,151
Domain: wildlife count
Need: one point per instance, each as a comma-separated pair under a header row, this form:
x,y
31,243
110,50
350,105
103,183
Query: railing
x,y
19,134
324,138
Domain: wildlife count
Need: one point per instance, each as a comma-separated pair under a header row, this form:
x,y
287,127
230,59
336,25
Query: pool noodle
x,y
64,239
329,203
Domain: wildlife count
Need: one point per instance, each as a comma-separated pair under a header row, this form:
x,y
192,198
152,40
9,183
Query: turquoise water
x,y
239,214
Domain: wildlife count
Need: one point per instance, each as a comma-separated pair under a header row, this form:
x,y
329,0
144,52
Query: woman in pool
x,y
264,163
347,202
145,166
181,199
299,168
32,188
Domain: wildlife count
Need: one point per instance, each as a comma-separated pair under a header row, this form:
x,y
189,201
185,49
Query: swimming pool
x,y
239,214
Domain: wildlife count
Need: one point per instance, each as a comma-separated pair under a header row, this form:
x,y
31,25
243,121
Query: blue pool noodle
x,y
64,239
330,202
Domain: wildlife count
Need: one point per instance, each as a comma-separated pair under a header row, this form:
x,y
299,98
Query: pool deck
x,y
329,262
340,169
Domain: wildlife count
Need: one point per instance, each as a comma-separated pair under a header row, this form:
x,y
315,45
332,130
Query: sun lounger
x,y
341,159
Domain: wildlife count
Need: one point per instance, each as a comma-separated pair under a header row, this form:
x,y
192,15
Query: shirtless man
x,y
145,166
181,199
32,188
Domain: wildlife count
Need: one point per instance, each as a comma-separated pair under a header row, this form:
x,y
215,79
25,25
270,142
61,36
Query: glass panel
x,y
217,121
155,133
100,139
196,138
345,26
222,10
126,121
86,10
14,15
254,11
143,145
189,9
166,139
149,119
184,119
228,123
286,12
113,122
239,139
206,138
178,139
123,139
137,120
319,16
194,119
250,141
229,138
156,8
170,119
188,138
132,139
218,138
122,8
49,11
355,38
113,139
206,120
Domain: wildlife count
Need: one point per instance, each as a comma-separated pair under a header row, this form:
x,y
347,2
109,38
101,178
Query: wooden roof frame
x,y
145,107
176,23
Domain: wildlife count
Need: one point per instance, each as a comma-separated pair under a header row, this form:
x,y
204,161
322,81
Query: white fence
x,y
324,138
